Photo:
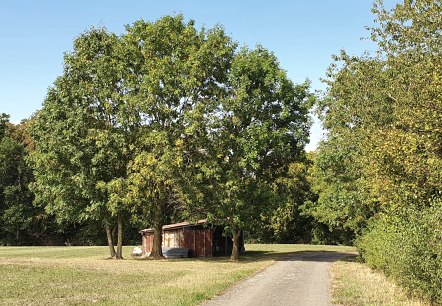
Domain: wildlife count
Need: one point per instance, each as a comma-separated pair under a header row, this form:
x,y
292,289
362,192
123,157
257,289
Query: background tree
x,y
17,214
287,220
4,119
353,109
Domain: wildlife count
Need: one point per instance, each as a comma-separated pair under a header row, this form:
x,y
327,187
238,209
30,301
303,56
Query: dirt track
x,y
300,279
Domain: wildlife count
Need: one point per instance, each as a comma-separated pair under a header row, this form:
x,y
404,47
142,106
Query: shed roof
x,y
176,225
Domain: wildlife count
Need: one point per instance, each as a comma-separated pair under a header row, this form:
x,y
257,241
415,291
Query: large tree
x,y
166,116
353,109
383,116
118,125
82,136
179,75
260,128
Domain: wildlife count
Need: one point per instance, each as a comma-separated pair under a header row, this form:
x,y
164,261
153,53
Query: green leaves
x,y
4,119
165,120
381,163
16,210
125,123
261,127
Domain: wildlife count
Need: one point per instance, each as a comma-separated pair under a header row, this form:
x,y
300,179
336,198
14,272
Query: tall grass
x,y
354,284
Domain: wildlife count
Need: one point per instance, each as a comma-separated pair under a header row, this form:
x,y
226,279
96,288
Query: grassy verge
x,y
355,284
83,275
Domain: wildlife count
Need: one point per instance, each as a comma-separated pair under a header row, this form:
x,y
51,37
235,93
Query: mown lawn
x,y
84,275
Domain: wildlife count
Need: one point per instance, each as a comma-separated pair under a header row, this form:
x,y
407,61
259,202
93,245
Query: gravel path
x,y
300,279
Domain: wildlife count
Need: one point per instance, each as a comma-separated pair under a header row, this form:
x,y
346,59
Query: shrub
x,y
407,245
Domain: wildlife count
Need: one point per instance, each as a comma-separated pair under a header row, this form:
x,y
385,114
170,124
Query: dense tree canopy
x,y
379,172
113,128
163,120
261,127
18,218
179,75
383,115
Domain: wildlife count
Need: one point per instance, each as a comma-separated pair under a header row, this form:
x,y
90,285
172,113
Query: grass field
x,y
83,275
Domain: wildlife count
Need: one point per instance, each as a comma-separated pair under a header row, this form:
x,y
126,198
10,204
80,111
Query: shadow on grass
x,y
353,258
254,256
248,256
317,256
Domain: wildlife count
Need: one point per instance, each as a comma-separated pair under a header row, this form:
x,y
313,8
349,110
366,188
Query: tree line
x,y
379,173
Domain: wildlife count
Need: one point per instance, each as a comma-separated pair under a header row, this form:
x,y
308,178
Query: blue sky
x,y
302,34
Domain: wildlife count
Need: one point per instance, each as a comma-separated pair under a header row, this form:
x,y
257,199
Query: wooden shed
x,y
202,239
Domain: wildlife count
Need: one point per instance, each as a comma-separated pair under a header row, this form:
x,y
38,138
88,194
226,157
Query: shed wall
x,y
197,239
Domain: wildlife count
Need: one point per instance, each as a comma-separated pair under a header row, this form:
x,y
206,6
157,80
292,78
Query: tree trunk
x,y
110,242
157,251
119,254
235,249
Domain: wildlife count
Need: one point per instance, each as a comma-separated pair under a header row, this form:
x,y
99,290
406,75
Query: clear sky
x,y
303,34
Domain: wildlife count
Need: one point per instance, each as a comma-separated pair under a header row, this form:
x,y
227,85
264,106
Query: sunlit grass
x,y
355,284
84,275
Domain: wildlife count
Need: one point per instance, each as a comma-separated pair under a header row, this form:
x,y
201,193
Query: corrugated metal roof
x,y
176,225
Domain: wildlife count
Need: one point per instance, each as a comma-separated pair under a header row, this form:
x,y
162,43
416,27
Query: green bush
x,y
407,245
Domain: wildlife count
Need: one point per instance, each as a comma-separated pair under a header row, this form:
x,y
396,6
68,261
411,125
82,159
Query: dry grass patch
x,y
89,280
355,284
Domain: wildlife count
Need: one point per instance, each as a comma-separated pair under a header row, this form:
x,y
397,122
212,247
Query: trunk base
x,y
235,248
119,254
155,257
110,242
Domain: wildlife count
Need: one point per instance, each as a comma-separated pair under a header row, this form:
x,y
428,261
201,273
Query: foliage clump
x,y
166,122
380,170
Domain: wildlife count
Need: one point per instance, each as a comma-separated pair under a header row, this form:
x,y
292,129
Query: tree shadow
x,y
318,256
254,256
263,255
